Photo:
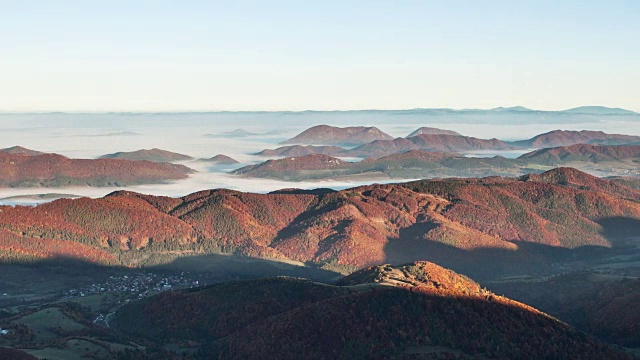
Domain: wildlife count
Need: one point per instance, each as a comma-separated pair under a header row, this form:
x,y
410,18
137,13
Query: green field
x,y
42,322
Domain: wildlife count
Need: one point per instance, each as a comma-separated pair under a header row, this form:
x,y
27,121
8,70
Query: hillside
x,y
155,155
20,150
221,159
482,227
345,136
570,137
52,170
301,150
404,165
432,131
576,179
419,310
427,142
583,153
15,354
293,168
599,304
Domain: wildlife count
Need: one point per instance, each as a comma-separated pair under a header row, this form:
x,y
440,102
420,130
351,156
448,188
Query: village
x,y
136,285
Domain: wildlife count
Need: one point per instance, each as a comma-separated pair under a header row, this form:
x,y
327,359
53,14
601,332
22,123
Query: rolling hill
x,y
427,142
583,153
412,164
155,155
432,131
482,227
53,170
301,150
569,137
414,311
331,135
20,151
221,159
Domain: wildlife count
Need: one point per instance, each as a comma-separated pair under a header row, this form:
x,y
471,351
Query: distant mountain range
x,y
600,110
374,143
415,164
592,110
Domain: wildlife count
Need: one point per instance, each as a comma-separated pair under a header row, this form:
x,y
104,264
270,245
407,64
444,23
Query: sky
x,y
321,55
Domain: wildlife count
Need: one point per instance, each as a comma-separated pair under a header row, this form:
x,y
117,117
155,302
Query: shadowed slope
x,y
419,310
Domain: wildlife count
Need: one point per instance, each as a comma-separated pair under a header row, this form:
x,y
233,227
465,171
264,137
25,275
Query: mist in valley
x,y
201,135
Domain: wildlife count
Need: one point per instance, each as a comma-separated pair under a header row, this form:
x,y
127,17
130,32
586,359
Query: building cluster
x,y
138,284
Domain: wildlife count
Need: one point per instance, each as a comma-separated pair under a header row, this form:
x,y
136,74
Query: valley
x,y
346,221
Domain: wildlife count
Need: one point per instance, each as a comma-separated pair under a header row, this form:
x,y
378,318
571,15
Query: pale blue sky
x,y
294,55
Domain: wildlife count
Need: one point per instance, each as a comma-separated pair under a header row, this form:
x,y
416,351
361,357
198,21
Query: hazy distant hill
x,y
237,133
513,108
599,110
156,155
569,137
221,159
119,133
331,135
415,311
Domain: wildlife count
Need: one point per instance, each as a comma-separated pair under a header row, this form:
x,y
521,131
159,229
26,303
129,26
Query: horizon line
x,y
516,108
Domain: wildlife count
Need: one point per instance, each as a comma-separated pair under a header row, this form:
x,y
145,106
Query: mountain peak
x,y
422,274
155,155
331,135
561,175
221,159
19,150
432,131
